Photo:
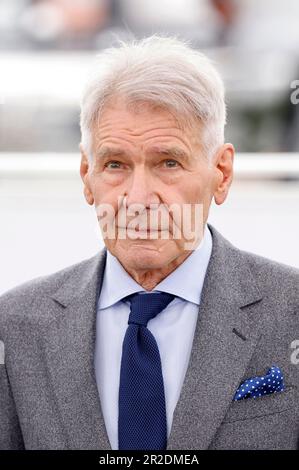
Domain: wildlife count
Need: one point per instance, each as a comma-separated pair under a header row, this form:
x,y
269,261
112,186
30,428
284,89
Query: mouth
x,y
148,230
145,234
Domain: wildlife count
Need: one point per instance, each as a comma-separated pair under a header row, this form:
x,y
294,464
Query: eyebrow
x,y
173,152
105,152
176,152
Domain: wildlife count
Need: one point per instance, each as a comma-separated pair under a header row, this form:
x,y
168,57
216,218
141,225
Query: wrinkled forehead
x,y
145,130
184,120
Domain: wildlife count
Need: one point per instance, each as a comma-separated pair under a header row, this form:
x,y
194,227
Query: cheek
x,y
101,176
199,187
113,179
191,190
103,192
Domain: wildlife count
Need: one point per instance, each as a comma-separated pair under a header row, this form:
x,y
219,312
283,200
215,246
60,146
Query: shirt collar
x,y
186,281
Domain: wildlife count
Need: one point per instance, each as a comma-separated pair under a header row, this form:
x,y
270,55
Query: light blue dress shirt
x,y
173,329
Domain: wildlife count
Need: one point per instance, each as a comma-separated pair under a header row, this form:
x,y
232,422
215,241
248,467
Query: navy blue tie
x,y
142,421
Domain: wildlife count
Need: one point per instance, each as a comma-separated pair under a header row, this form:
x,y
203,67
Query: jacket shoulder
x,y
267,272
270,266
20,298
272,276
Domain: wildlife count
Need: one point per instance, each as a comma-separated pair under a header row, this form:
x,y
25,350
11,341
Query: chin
x,y
139,255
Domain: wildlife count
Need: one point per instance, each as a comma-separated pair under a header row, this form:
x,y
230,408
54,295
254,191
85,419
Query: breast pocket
x,y
262,406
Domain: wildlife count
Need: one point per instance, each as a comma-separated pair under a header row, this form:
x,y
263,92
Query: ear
x,y
224,166
84,167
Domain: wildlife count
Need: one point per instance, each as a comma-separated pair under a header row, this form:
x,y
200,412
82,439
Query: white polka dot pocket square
x,y
255,387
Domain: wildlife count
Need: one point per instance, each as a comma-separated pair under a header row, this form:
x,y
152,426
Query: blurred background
x,y
46,50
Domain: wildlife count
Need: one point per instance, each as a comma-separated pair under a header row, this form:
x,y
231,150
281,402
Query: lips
x,y
142,230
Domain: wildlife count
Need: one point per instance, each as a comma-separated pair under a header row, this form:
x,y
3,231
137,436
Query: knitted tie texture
x,y
142,421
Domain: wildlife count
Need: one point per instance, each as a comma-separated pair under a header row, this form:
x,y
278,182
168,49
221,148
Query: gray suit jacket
x,y
248,319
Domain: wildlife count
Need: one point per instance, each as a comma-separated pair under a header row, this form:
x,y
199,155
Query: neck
x,y
150,278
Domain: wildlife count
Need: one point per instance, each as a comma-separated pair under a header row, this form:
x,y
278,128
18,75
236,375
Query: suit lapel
x,y
69,355
224,340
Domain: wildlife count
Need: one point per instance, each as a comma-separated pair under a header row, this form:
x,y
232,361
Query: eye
x,y
113,165
170,163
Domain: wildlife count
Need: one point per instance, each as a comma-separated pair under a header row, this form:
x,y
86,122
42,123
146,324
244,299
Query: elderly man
x,y
169,337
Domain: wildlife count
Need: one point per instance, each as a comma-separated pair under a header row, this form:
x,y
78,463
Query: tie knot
x,y
144,307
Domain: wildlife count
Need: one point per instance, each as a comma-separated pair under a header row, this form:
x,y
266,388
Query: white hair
x,y
162,71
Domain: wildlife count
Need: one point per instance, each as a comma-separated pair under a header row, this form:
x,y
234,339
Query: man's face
x,y
143,156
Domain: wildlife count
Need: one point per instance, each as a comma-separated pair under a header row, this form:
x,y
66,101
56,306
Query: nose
x,y
141,189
